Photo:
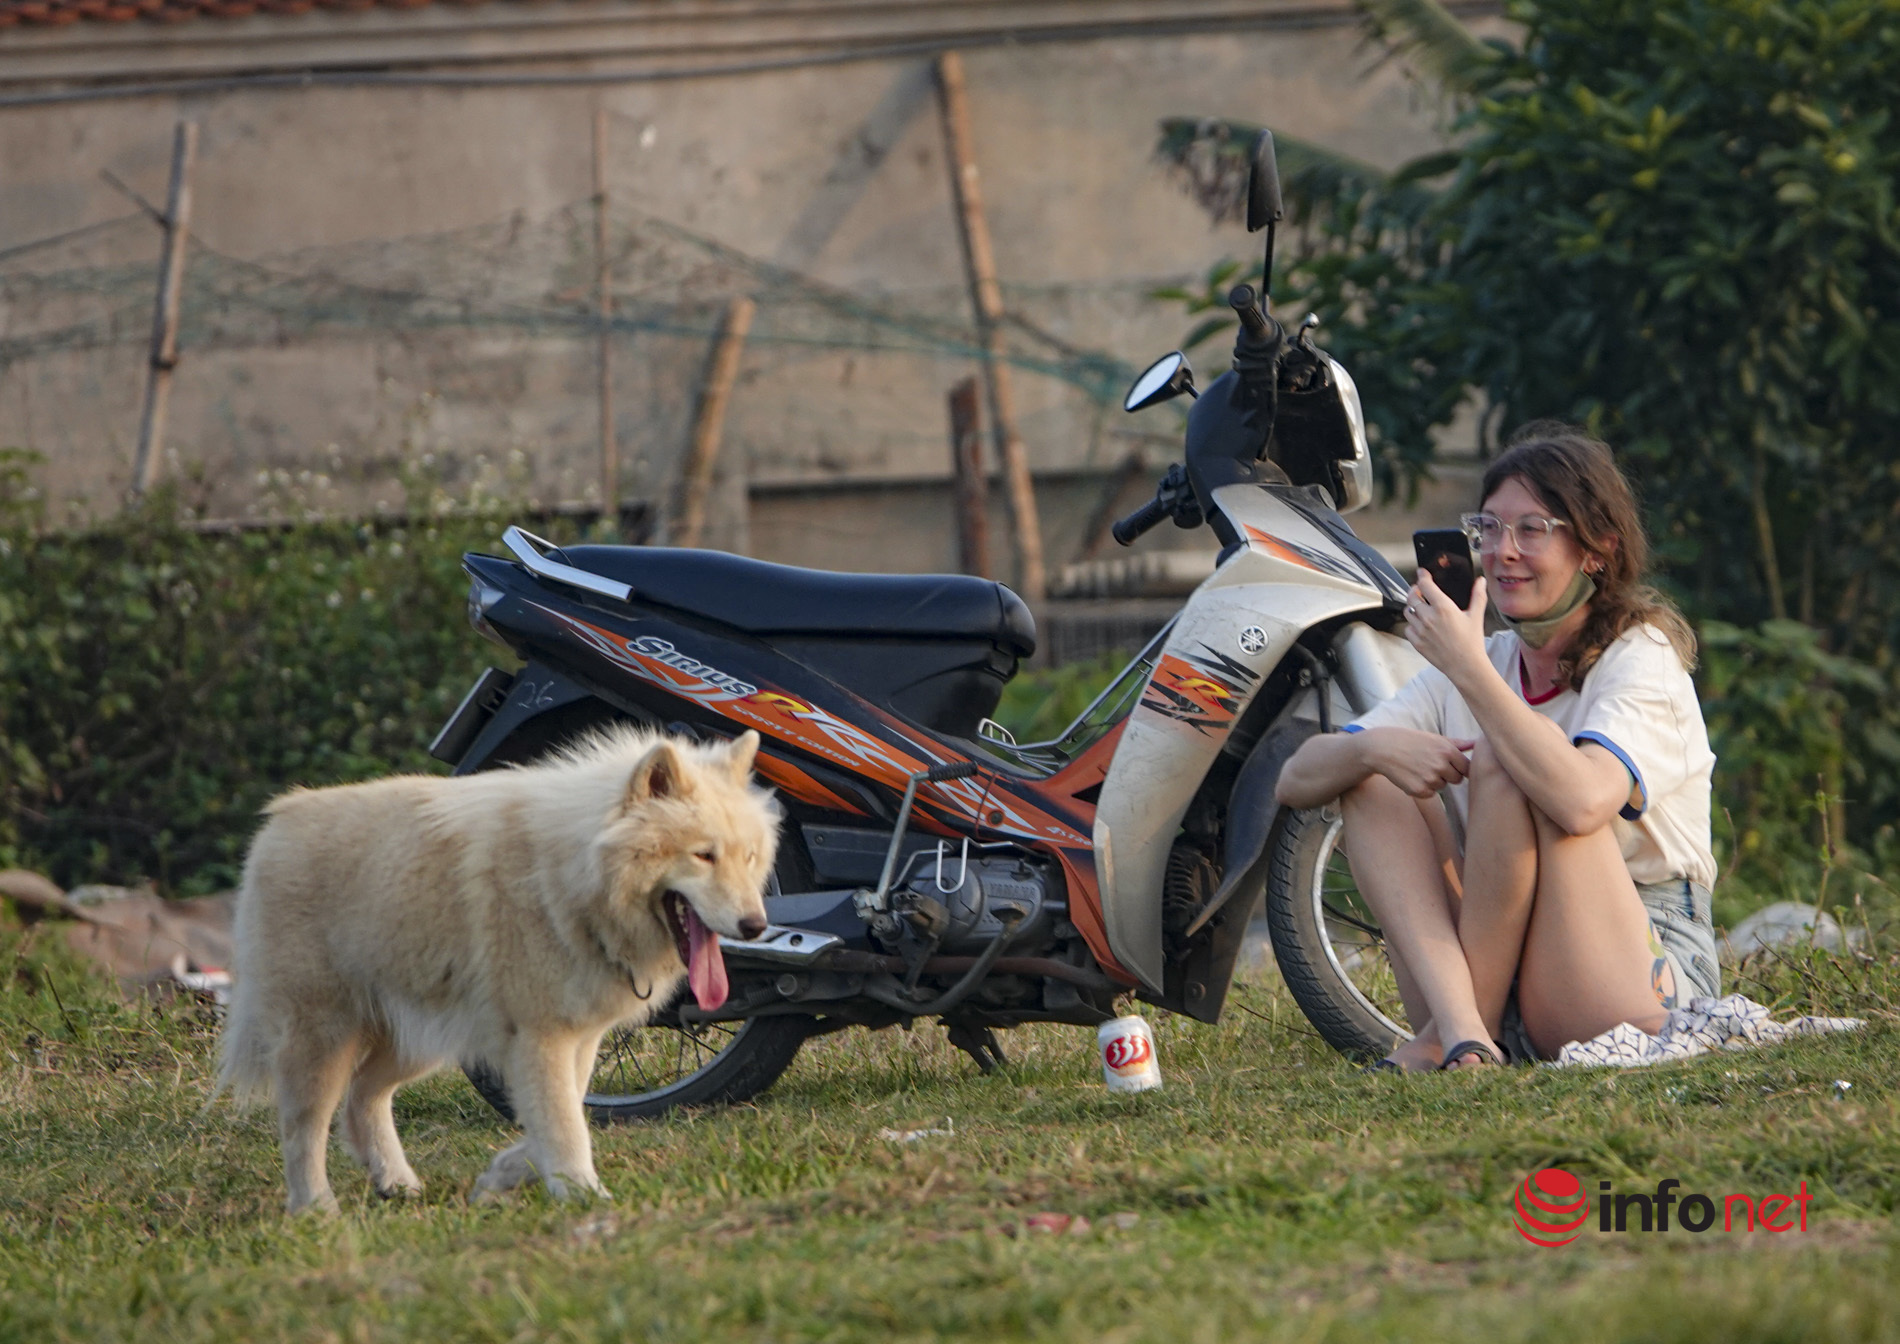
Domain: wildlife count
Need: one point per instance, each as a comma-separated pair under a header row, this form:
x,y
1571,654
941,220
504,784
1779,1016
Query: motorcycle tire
x,y
644,1072
1327,944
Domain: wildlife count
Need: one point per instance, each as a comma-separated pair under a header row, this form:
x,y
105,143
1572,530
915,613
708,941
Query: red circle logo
x,y
1551,1207
1127,1052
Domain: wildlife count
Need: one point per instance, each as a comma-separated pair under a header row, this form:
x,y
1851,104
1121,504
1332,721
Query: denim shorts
x,y
1679,916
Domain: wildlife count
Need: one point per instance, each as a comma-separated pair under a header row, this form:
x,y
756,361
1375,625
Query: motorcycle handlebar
x,y
1243,301
1148,516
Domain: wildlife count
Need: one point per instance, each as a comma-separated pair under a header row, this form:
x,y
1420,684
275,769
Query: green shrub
x,y
160,683
1799,734
1038,705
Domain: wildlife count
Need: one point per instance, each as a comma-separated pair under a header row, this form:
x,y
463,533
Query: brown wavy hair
x,y
1577,479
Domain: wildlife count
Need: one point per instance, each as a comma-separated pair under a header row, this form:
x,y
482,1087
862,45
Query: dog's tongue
x,y
705,967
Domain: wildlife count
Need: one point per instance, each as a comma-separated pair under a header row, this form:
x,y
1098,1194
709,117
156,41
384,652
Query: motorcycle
x,y
930,866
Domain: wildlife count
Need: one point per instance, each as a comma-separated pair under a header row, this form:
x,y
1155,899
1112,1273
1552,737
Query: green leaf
x,y
1426,32
1813,116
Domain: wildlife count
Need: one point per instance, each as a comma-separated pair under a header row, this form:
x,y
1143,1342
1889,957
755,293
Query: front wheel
x,y
1325,939
642,1072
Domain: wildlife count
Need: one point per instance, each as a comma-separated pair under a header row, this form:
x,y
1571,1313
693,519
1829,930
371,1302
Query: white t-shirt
x,y
1639,703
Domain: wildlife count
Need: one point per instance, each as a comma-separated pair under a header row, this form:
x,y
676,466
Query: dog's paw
x,y
322,1206
411,1189
575,1189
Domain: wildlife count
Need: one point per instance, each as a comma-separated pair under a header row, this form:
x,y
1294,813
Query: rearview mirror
x,y
1163,380
1264,205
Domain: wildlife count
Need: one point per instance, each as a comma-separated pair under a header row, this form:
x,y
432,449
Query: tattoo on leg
x,y
1658,970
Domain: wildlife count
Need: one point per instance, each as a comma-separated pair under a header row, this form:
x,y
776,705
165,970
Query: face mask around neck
x,y
1538,631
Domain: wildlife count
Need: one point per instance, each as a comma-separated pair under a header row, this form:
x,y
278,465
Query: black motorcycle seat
x,y
769,599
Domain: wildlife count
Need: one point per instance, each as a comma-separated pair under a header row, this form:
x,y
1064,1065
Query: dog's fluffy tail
x,y
243,1061
243,1051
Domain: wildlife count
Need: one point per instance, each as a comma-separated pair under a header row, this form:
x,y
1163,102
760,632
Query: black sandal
x,y
1383,1066
1463,1048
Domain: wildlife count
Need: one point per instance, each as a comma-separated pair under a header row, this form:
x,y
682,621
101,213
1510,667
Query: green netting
x,y
512,275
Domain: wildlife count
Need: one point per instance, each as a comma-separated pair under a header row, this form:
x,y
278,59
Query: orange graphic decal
x,y
1306,557
1188,694
1280,550
795,783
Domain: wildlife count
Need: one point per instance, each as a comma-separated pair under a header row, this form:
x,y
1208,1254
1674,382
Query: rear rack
x,y
531,550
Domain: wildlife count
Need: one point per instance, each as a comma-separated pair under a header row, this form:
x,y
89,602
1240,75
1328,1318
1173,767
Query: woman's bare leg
x,y
1397,866
1425,1050
1500,879
1587,960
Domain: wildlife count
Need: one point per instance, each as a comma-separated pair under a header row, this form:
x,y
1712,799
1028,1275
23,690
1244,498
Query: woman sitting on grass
x,y
1528,818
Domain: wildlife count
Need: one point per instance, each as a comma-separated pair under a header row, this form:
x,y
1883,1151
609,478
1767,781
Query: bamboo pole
x,y
171,276
972,490
980,264
609,442
711,421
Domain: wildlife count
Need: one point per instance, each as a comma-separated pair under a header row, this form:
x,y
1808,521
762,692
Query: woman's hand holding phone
x,y
1450,638
1445,553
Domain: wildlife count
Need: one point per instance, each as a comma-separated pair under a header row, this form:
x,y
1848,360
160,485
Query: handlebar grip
x,y
1149,515
1245,302
949,770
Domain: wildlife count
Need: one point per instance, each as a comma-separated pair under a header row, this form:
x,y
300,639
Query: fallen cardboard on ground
x,y
146,942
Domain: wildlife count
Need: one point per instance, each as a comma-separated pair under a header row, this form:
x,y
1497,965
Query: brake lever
x,y
1301,367
1176,495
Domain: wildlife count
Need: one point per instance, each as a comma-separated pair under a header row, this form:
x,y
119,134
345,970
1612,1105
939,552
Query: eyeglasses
x,y
1486,531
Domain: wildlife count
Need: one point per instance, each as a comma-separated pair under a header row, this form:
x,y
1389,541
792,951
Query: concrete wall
x,y
835,172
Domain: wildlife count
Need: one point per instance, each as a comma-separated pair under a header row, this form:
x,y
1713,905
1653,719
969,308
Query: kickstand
x,y
980,1044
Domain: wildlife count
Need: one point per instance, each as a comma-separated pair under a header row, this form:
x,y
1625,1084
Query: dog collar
x,y
633,981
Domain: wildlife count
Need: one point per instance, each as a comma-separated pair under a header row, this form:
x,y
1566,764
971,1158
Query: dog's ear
x,y
745,749
660,774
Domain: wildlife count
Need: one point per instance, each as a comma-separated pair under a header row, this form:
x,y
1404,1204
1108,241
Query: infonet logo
x,y
1551,1209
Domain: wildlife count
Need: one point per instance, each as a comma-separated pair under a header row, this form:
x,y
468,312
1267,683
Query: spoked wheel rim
x,y
647,1064
1355,948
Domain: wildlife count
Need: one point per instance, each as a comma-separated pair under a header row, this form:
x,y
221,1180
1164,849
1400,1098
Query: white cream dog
x,y
386,929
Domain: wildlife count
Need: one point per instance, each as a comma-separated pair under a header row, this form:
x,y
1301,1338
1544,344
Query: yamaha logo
x,y
1253,639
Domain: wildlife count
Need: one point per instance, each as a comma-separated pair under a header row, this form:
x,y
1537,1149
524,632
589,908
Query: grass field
x,y
1269,1191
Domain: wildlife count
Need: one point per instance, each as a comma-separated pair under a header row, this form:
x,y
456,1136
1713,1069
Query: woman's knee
x,y
1375,792
1487,770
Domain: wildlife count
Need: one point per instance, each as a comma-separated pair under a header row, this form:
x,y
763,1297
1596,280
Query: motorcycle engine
x,y
964,902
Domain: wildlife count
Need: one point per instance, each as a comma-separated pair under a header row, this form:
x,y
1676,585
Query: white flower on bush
x,y
334,600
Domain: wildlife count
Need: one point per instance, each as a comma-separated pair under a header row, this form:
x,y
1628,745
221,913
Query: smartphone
x,y
1446,553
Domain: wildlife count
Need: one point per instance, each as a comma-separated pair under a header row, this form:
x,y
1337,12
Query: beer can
x,y
1127,1048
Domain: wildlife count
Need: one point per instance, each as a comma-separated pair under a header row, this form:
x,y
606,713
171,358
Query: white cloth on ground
x,y
1733,1022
